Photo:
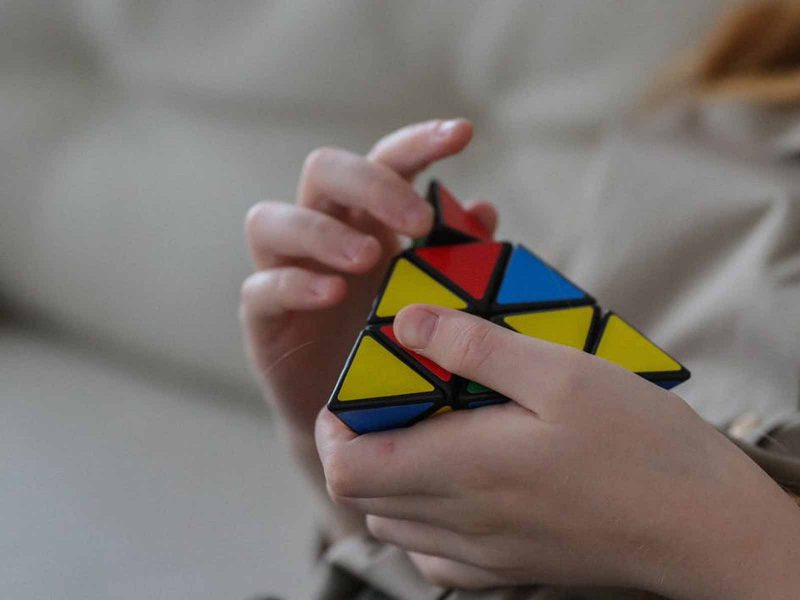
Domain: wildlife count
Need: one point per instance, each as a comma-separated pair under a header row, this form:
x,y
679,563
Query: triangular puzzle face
x,y
385,385
378,389
375,372
368,420
408,284
451,223
529,281
622,344
426,363
473,267
566,326
455,217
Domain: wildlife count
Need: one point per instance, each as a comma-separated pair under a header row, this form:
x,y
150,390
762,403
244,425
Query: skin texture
x,y
590,475
319,263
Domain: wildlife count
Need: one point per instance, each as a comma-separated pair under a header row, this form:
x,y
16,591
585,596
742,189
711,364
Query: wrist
x,y
743,545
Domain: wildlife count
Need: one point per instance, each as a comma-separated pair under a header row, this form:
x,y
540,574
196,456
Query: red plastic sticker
x,y
455,217
425,362
469,266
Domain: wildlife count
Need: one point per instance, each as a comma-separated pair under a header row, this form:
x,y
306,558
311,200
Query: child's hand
x,y
319,262
591,476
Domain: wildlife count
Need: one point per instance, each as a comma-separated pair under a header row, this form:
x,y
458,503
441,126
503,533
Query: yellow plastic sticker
x,y
568,326
376,373
622,344
408,284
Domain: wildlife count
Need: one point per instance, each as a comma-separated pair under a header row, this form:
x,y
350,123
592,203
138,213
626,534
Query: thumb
x,y
524,369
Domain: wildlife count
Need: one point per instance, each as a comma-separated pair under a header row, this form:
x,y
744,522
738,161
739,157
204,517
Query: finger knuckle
x,y
341,479
439,578
321,227
377,186
433,571
378,528
255,216
472,347
251,288
573,375
336,498
318,159
286,281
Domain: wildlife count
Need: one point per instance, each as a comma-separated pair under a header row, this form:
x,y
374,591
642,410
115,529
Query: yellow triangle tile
x,y
569,326
408,284
622,344
375,372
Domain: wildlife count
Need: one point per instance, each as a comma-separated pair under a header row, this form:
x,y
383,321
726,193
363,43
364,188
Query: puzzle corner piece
x,y
452,223
619,342
379,390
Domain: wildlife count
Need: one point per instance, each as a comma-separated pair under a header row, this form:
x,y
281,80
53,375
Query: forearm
x,y
741,546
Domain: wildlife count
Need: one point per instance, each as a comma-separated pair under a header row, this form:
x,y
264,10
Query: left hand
x,y
591,476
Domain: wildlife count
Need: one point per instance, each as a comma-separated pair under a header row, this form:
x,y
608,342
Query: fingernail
x,y
355,247
445,128
415,328
320,286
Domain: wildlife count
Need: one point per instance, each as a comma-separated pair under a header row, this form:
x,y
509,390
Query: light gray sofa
x,y
137,459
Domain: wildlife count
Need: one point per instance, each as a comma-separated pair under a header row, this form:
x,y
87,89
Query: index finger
x,y
414,148
332,176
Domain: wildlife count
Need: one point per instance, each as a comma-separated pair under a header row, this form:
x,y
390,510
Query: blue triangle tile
x,y
365,420
529,280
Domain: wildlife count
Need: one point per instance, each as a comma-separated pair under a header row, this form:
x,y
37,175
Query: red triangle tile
x,y
469,266
454,216
425,362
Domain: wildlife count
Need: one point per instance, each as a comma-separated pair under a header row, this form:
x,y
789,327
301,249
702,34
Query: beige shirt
x,y
689,225
691,228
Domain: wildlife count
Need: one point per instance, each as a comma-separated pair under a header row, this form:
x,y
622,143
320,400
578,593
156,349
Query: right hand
x,y
320,262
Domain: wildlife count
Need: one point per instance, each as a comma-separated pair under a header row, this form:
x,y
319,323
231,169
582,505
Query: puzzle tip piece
x,y
451,224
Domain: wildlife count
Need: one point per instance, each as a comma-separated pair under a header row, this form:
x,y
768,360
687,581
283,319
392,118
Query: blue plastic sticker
x,y
528,279
381,418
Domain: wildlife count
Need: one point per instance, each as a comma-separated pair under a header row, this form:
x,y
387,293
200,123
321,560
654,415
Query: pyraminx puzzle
x,y
384,385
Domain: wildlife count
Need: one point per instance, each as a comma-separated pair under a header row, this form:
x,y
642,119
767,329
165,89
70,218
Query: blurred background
x,y
137,459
